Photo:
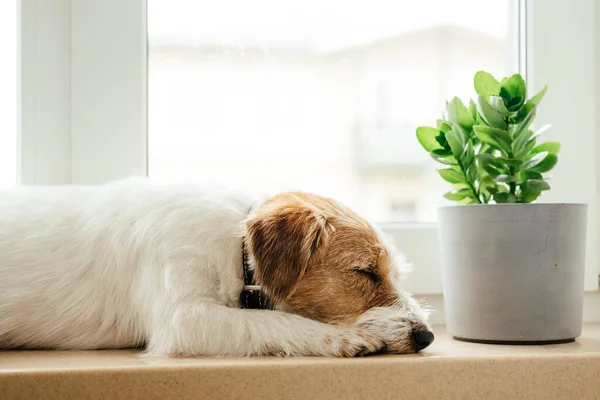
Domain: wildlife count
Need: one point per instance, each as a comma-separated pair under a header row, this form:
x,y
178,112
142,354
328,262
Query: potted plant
x,y
512,271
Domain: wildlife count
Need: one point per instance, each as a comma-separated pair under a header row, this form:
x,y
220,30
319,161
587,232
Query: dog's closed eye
x,y
370,271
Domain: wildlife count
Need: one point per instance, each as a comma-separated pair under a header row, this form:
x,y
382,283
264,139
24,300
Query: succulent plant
x,y
489,152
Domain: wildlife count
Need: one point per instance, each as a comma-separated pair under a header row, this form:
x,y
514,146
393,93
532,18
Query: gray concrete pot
x,y
513,272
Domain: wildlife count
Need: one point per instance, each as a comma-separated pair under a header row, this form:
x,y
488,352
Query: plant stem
x,y
471,185
512,185
511,170
475,192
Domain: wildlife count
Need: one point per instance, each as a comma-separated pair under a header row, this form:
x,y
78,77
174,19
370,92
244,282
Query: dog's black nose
x,y
423,338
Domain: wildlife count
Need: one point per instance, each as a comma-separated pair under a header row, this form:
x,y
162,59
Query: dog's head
x,y
319,259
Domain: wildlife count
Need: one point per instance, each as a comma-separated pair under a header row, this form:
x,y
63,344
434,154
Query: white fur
x,y
134,263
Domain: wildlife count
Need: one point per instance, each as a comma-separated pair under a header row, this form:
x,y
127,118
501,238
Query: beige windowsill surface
x,y
449,369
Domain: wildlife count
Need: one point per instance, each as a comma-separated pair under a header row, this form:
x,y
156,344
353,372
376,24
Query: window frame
x,y
83,100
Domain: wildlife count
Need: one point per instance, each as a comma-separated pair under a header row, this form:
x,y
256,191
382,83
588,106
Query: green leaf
x,y
454,140
531,190
535,160
534,186
486,85
550,147
492,171
512,91
514,103
463,185
488,186
525,153
491,117
498,103
496,138
510,162
442,152
546,164
503,197
461,134
519,142
472,172
451,175
543,129
505,178
529,105
426,136
525,124
441,139
503,189
491,190
457,195
445,161
485,158
528,137
469,156
459,114
529,197
525,175
473,110
470,200
443,126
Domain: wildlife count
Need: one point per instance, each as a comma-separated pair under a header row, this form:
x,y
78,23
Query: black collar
x,y
252,295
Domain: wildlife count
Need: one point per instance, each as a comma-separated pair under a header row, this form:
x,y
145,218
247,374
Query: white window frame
x,y
83,101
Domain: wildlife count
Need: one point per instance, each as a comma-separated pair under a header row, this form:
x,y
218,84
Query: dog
x,y
135,263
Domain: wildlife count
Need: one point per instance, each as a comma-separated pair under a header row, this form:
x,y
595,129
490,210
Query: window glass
x,y
8,93
317,95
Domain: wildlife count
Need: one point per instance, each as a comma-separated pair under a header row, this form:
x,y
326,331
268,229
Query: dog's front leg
x,y
213,329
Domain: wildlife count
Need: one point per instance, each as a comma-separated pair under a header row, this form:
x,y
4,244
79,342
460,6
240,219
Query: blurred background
x,y
318,95
8,93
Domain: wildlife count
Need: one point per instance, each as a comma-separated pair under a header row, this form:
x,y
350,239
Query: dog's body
x,y
136,263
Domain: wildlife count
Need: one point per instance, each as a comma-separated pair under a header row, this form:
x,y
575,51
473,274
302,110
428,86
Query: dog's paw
x,y
347,342
394,329
356,343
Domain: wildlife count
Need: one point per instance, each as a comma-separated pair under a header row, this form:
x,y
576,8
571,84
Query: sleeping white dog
x,y
178,268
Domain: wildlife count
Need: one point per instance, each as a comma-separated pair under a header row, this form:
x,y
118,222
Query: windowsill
x,y
448,369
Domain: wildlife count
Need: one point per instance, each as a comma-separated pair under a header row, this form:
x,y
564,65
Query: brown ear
x,y
282,236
